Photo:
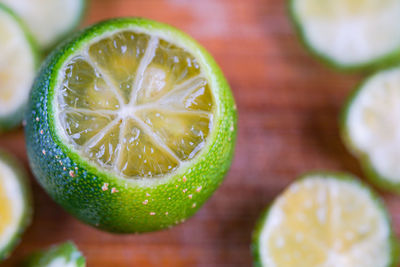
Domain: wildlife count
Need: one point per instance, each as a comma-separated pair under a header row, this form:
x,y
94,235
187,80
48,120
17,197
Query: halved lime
x,y
349,34
48,20
15,206
131,126
63,255
18,58
370,127
325,219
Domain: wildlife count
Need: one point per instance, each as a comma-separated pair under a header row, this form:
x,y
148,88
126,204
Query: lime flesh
x,y
135,104
349,34
326,219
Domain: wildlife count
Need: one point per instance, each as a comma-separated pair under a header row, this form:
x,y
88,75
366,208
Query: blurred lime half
x,y
371,130
48,20
17,68
349,34
325,219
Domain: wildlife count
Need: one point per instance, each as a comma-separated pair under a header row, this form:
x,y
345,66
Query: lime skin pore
x,y
101,199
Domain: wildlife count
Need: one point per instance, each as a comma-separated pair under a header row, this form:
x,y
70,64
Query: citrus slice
x,y
370,127
64,255
15,208
325,220
17,68
137,127
349,34
48,20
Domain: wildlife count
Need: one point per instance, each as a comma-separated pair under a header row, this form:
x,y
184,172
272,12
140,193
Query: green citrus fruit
x,y
370,127
349,34
48,20
18,60
325,219
15,199
64,255
131,126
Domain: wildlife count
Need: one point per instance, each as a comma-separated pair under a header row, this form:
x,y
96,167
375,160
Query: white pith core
x,y
17,67
373,123
47,19
345,227
127,111
350,31
12,188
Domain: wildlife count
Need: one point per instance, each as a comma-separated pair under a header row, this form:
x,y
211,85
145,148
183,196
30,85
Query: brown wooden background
x,y
288,108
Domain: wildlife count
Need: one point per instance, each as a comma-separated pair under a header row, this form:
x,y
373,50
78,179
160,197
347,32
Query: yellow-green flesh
x,y
327,222
11,205
134,105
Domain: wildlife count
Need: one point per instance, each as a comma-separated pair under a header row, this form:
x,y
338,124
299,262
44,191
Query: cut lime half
x,y
349,34
15,206
137,128
371,130
48,20
63,255
325,219
133,104
17,68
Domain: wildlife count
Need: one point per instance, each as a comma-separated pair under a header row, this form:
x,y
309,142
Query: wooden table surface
x,y
288,108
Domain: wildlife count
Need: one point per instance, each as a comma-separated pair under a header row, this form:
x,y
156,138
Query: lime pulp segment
x,y
349,32
326,220
134,104
17,65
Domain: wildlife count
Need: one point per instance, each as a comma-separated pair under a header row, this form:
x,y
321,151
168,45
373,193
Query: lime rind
x,y
389,59
67,252
155,204
373,175
27,212
261,222
13,120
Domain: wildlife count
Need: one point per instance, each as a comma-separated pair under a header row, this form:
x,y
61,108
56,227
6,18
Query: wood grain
x,y
288,107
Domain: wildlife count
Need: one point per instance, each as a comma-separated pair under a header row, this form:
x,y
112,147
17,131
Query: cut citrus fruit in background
x,y
18,58
131,126
349,34
371,130
64,255
48,20
15,206
325,219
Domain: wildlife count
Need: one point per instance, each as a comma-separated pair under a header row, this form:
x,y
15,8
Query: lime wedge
x,y
349,34
325,219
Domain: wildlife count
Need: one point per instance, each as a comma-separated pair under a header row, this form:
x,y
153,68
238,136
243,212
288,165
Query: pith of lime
x,y
63,255
18,60
370,130
325,219
15,204
131,126
48,20
349,34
